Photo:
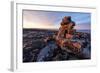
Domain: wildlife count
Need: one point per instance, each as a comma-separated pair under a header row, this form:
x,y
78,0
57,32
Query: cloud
x,y
51,20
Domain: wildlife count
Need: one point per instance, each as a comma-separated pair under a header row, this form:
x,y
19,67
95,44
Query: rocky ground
x,y
34,42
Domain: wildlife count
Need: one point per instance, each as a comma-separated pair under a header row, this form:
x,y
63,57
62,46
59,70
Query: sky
x,y
52,19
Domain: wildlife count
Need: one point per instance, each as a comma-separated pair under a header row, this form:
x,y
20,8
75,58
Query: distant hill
x,y
35,29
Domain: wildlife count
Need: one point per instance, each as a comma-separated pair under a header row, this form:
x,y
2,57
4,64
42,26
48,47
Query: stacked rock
x,y
65,36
